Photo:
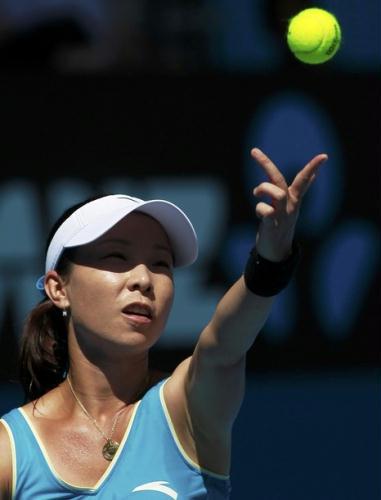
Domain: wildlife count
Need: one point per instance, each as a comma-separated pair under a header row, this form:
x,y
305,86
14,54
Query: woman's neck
x,y
106,388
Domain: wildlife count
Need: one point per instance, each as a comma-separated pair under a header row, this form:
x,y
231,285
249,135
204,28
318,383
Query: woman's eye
x,y
114,256
162,263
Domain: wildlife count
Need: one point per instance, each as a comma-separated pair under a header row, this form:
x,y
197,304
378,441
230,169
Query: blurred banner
x,y
82,115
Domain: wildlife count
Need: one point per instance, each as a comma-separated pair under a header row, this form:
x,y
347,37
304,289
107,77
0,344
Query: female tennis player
x,y
99,422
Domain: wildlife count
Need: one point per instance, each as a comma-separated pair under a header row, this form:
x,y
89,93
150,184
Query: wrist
x,y
266,277
278,252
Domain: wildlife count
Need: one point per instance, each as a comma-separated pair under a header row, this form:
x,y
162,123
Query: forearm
x,y
239,317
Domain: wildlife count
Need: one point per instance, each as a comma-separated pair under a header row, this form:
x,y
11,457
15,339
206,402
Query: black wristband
x,y
266,278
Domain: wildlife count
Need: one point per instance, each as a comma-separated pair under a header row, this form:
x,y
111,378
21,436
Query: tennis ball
x,y
314,36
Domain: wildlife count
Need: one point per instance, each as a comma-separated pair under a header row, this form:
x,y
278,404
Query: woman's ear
x,y
56,290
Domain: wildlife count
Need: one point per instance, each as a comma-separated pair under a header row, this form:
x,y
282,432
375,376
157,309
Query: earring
x,y
64,313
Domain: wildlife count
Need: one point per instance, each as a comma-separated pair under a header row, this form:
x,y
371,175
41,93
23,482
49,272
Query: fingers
x,y
278,190
264,211
277,195
306,176
270,169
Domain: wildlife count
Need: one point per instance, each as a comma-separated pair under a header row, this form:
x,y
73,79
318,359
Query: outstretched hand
x,y
278,218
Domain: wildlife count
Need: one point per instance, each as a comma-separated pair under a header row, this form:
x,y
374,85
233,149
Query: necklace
x,y
111,446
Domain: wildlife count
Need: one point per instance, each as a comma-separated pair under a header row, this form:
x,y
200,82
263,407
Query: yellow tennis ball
x,y
314,35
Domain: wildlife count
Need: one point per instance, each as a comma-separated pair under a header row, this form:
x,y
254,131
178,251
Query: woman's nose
x,y
139,278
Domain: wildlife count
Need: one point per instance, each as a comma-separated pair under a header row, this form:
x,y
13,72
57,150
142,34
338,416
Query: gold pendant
x,y
109,449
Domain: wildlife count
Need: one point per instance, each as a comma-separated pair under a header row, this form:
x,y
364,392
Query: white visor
x,y
95,218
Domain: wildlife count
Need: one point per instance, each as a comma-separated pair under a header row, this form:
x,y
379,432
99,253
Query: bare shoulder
x,y
209,449
5,464
203,399
174,388
46,405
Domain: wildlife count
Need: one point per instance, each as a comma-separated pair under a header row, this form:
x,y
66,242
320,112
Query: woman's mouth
x,y
138,313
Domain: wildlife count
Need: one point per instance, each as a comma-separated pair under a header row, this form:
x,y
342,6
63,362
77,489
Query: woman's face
x,y
120,287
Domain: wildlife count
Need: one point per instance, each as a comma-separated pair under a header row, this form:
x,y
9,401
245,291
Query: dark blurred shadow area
x,y
98,35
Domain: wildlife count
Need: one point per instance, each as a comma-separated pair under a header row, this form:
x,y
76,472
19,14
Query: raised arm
x,y
208,387
241,314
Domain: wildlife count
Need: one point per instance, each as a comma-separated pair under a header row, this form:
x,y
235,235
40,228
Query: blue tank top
x,y
150,463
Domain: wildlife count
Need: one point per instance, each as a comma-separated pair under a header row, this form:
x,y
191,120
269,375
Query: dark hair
x,y
44,360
